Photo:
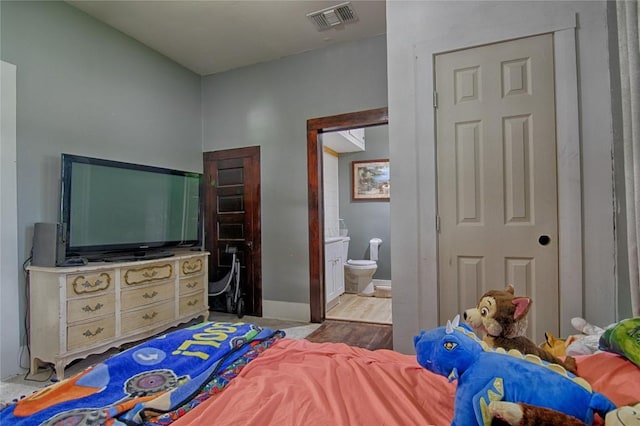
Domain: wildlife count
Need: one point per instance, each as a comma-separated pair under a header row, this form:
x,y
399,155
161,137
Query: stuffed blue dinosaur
x,y
486,375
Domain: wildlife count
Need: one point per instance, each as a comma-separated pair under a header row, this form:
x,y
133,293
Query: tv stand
x,y
139,255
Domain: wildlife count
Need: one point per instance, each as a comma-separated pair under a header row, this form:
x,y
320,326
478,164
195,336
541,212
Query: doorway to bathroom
x,y
324,217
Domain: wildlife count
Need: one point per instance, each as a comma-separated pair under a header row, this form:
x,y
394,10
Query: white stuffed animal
x,y
587,342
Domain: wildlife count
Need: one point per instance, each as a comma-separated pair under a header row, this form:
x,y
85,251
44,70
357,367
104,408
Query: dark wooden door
x,y
232,218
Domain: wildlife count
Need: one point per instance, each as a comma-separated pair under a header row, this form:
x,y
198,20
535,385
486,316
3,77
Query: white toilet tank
x,y
374,245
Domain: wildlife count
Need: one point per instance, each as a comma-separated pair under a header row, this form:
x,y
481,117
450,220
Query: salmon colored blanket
x,y
297,382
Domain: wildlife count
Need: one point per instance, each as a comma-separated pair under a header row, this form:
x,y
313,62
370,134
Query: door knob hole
x,y
544,240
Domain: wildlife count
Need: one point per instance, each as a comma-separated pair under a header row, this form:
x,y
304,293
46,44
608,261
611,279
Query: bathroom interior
x,y
357,232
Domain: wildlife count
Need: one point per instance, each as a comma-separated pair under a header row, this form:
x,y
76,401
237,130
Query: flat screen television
x,y
114,210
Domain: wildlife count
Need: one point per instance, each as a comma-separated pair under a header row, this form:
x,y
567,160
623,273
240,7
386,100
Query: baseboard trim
x,y
286,310
382,282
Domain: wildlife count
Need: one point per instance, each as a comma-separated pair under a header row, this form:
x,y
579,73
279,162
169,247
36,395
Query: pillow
x,y
612,375
623,339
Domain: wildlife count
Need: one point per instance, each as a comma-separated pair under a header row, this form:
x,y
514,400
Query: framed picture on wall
x,y
370,180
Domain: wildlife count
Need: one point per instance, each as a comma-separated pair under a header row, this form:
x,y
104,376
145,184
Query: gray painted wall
x,y
367,219
268,105
85,88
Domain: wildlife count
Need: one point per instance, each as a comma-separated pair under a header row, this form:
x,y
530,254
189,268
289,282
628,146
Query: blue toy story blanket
x,y
154,377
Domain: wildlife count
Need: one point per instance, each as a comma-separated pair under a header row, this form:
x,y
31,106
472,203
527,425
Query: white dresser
x,y
78,311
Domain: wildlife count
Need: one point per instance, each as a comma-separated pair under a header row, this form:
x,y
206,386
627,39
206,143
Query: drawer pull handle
x,y
88,333
149,274
193,284
150,296
149,317
89,285
192,302
95,308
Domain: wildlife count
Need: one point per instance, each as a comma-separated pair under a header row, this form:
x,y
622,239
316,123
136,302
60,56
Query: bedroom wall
x,y
411,23
85,88
268,105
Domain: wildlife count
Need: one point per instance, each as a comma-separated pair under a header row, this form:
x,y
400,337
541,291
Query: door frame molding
x,y
570,249
315,127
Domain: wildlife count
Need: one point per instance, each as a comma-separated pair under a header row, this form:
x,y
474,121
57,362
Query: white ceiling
x,y
211,36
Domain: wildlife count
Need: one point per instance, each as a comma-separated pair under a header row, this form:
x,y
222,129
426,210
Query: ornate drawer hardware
x,y
192,284
94,309
148,274
150,296
88,333
83,285
193,302
191,267
150,317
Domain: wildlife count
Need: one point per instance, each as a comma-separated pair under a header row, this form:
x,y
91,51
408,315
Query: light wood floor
x,y
362,309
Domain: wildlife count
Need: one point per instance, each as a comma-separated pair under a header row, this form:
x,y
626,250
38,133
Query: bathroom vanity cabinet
x,y
333,271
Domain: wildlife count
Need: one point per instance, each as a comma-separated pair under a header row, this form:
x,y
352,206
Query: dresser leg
x,y
60,370
35,366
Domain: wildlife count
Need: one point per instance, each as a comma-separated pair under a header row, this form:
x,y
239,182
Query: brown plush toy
x,y
519,414
500,320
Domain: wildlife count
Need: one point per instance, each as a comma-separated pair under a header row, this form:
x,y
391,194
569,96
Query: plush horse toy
x,y
486,375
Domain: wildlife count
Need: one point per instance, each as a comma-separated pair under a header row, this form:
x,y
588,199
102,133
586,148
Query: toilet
x,y
358,274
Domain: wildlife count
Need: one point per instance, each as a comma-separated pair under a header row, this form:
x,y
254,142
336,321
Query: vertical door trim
x,y
315,127
568,161
10,282
569,179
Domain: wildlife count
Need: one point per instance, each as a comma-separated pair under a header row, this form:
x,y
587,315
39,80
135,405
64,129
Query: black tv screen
x,y
115,207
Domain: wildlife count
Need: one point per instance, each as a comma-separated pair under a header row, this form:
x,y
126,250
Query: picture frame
x,y
370,180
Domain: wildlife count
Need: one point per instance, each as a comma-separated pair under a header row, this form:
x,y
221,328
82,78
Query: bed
x,y
241,374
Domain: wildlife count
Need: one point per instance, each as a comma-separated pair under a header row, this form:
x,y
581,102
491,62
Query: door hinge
x,y
435,99
438,224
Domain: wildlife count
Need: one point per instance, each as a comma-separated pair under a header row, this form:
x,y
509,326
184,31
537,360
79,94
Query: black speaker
x,y
49,244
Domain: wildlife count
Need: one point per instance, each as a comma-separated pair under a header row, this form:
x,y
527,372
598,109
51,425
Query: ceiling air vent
x,y
342,13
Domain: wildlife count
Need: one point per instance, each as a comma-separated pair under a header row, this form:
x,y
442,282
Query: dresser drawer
x,y
90,283
191,267
89,333
146,295
153,273
192,303
191,285
151,315
90,307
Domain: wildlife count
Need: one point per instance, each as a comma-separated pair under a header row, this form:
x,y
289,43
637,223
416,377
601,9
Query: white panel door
x,y
497,191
